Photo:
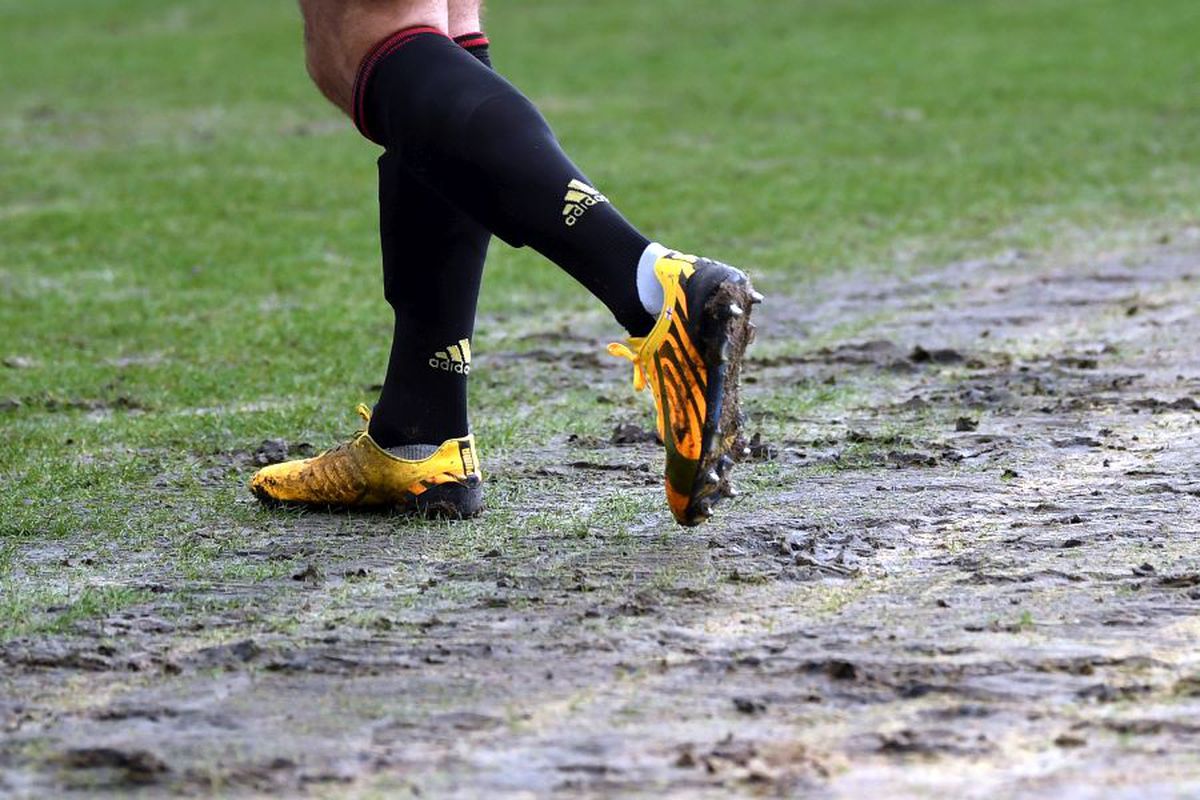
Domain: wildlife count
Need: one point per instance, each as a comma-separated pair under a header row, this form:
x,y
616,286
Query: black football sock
x,y
475,139
433,256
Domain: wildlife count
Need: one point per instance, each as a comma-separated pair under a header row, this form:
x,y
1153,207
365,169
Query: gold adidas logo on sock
x,y
579,198
455,358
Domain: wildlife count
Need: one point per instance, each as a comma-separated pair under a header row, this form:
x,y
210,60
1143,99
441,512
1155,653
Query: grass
x,y
26,610
188,258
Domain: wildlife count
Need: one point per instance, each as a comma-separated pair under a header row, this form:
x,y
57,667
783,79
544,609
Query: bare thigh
x,y
338,34
465,16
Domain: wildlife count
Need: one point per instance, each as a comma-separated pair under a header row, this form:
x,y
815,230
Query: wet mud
x,y
968,563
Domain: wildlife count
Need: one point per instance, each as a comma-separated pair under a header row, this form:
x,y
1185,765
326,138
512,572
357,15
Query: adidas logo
x,y
455,358
580,197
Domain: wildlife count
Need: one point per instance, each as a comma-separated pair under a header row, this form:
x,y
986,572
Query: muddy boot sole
x,y
441,501
725,332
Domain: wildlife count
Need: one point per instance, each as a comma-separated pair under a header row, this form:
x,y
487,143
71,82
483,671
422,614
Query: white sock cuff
x,y
649,289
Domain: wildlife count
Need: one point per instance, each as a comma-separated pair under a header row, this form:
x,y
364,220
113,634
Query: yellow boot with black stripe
x,y
361,474
691,360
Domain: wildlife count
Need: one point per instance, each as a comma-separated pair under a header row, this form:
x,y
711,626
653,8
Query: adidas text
x,y
456,358
579,198
450,366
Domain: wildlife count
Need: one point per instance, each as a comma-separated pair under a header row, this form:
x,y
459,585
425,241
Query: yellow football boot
x,y
361,474
691,360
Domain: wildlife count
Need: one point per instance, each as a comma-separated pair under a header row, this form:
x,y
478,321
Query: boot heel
x,y
451,500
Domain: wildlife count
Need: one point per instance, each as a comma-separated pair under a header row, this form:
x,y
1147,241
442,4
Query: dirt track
x,y
976,574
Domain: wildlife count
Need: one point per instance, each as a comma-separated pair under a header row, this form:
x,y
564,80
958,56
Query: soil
x,y
978,577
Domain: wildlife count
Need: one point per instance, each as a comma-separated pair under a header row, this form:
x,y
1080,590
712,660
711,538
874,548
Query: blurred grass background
x,y
188,254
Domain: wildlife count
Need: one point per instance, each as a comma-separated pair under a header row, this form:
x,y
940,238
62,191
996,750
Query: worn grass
x,y
188,258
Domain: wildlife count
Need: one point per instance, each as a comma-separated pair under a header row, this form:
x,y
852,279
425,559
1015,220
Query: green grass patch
x,y
30,609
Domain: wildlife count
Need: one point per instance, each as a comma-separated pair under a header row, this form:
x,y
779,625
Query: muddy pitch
x,y
980,576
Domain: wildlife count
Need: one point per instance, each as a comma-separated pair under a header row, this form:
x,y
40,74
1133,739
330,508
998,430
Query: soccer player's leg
x,y
433,259
417,451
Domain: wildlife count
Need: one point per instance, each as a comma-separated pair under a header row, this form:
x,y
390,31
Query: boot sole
x,y
460,500
724,336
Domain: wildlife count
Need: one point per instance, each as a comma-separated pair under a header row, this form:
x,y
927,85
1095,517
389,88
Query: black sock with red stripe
x,y
471,136
477,45
433,256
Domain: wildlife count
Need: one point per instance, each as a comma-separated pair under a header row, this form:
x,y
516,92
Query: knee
x,y
326,64
338,34
321,70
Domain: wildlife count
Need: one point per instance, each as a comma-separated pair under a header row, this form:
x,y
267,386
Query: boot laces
x,y
633,352
365,413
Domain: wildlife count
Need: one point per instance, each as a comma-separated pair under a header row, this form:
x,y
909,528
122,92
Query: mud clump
x,y
631,433
136,767
933,742
831,553
780,768
1068,740
311,574
761,450
936,355
229,657
901,459
57,654
879,352
274,451
841,670
749,705
1158,406
1077,441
